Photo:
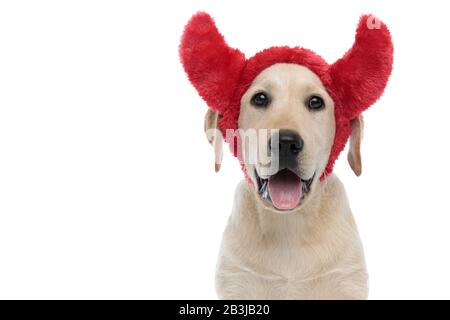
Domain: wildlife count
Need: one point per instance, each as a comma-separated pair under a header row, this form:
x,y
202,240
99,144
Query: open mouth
x,y
285,190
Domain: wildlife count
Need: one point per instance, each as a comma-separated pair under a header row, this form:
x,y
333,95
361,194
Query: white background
x,y
107,187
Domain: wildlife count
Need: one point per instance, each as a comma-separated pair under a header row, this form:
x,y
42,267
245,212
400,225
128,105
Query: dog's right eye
x,y
315,103
260,100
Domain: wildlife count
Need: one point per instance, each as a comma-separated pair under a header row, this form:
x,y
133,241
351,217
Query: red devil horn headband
x,y
360,77
211,65
222,74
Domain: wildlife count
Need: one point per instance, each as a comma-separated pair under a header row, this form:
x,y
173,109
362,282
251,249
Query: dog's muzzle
x,y
285,189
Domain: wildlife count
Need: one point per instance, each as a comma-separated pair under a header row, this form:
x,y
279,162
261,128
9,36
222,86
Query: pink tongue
x,y
285,189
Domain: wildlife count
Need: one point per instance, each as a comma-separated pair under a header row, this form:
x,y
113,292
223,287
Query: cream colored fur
x,y
313,251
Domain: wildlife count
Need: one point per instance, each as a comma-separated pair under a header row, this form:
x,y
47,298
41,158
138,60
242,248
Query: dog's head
x,y
288,127
286,112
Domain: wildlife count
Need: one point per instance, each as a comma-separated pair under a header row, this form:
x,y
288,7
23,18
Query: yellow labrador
x,y
291,234
298,241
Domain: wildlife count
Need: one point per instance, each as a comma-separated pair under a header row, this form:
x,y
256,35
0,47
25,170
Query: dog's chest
x,y
264,256
238,280
294,274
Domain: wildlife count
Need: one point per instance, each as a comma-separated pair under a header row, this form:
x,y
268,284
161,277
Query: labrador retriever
x,y
305,247
287,114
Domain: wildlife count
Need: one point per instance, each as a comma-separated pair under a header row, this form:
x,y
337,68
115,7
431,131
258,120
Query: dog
x,y
314,251
291,233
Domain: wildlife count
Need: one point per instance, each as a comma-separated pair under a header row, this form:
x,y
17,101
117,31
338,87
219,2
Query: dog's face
x,y
292,115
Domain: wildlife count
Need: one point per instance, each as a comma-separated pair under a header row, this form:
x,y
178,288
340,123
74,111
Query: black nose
x,y
290,144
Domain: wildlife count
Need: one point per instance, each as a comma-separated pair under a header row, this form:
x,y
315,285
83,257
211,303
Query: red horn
x,y
361,75
211,65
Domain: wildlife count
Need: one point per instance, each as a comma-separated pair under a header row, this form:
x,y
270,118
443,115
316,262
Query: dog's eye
x,y
315,103
260,100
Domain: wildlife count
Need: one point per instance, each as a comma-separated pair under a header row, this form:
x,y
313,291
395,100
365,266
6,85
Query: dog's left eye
x,y
260,100
315,103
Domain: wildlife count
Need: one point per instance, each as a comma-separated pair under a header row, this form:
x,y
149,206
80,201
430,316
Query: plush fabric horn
x,y
211,65
360,76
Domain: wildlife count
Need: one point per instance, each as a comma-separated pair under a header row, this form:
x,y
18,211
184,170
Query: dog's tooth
x,y
263,187
305,187
265,190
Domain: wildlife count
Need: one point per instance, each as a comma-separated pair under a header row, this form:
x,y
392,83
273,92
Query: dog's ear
x,y
354,151
211,65
214,136
360,76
